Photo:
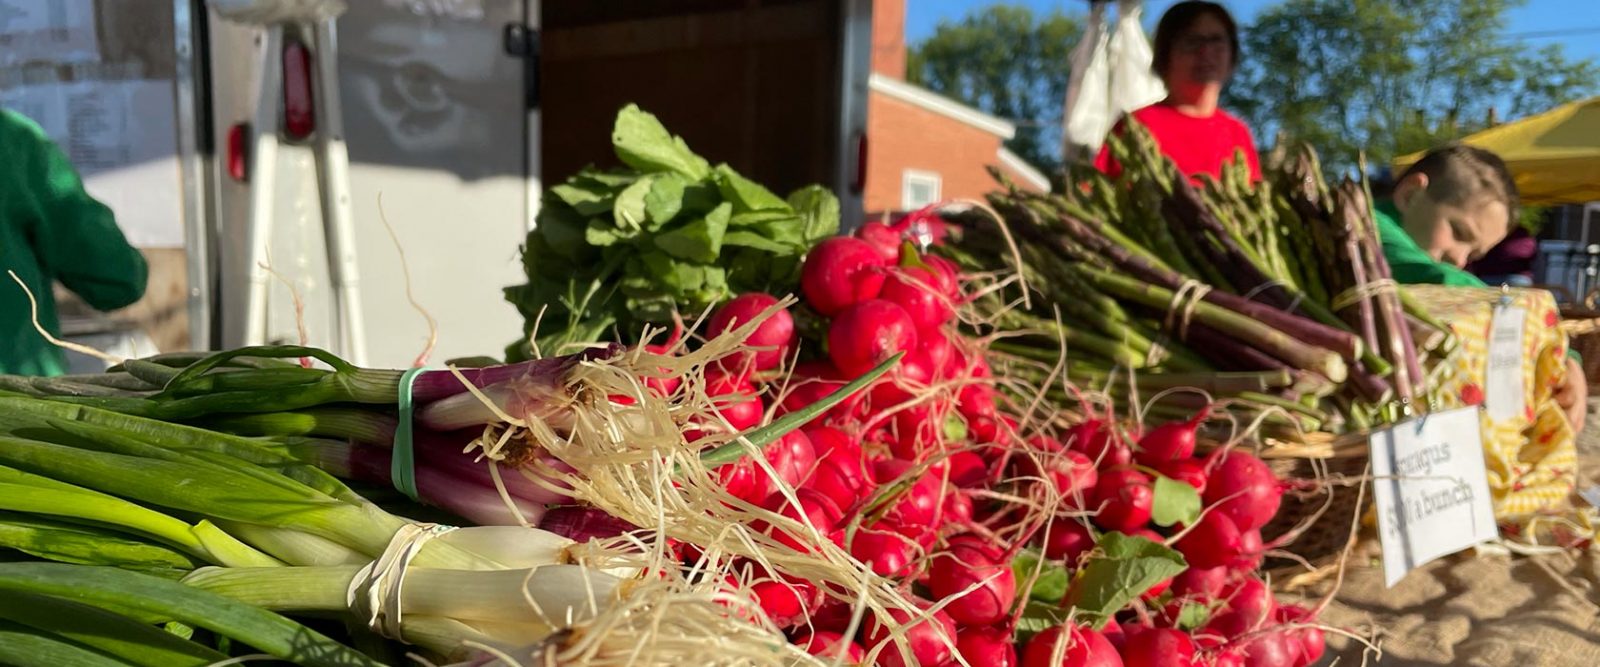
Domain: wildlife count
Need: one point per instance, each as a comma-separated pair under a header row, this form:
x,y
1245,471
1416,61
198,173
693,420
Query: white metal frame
x,y
333,181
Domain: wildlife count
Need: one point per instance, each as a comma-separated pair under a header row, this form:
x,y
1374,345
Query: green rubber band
x,y
402,456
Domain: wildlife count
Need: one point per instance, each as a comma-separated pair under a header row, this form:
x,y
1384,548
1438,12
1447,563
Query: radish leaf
x,y
700,240
746,195
1175,502
1121,569
644,144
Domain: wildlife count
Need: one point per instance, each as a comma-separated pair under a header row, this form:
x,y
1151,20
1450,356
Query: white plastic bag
x,y
1133,84
1086,114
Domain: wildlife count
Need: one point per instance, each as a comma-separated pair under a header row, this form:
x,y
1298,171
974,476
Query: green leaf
x,y
700,240
749,239
955,428
629,211
105,631
104,586
787,232
665,199
1193,615
1051,586
675,276
601,233
1175,502
700,197
86,545
745,194
561,227
819,213
1038,617
1121,568
612,180
643,143
586,201
749,218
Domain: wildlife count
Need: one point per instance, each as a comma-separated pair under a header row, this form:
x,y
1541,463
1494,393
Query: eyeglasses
x,y
1194,43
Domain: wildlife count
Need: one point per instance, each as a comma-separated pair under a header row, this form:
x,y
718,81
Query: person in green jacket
x,y
50,230
1448,209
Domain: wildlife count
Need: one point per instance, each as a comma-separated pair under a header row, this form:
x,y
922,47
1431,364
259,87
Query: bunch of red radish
x,y
896,476
1243,625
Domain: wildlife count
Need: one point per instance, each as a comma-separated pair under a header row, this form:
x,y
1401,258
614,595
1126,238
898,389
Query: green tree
x,y
1393,76
1009,62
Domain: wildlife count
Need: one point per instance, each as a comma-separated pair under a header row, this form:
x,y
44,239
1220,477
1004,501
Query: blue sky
x,y
1535,16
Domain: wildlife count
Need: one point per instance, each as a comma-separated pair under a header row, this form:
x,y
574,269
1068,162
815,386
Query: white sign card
x,y
1505,395
1431,489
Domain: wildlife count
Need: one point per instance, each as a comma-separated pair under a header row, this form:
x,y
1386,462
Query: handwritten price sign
x,y
1431,490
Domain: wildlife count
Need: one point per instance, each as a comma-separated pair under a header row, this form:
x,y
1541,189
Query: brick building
x,y
924,147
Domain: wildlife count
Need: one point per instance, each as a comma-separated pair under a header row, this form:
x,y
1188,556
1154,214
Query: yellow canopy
x,y
1554,156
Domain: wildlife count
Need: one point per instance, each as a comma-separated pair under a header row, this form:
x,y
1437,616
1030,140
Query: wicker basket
x,y
1581,322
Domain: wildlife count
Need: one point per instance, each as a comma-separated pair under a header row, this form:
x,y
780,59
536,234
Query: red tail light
x,y
238,155
859,183
299,108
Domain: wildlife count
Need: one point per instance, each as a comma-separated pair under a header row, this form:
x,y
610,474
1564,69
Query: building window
x,y
918,189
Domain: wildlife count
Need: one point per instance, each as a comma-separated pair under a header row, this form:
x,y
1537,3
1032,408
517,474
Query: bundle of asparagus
x,y
1273,294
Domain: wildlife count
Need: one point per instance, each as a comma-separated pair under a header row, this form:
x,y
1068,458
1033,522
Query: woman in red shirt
x,y
1196,50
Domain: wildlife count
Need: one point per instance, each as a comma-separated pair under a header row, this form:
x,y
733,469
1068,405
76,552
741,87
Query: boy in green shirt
x,y
1448,209
51,229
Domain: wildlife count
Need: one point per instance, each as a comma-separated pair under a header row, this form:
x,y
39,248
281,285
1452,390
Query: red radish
x,y
1125,498
1159,647
913,374
663,386
915,290
920,430
735,399
1270,649
841,272
815,508
1100,442
957,509
988,646
1171,441
887,553
739,479
948,274
830,645
1114,634
786,602
792,457
1083,647
1188,471
967,564
776,332
1067,540
967,470
832,616
1251,550
883,238
940,352
916,508
928,640
1213,542
1244,488
841,478
977,401
1248,605
1307,643
825,439
867,333
1201,583
1075,477
1040,448
810,382
985,430
1228,657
